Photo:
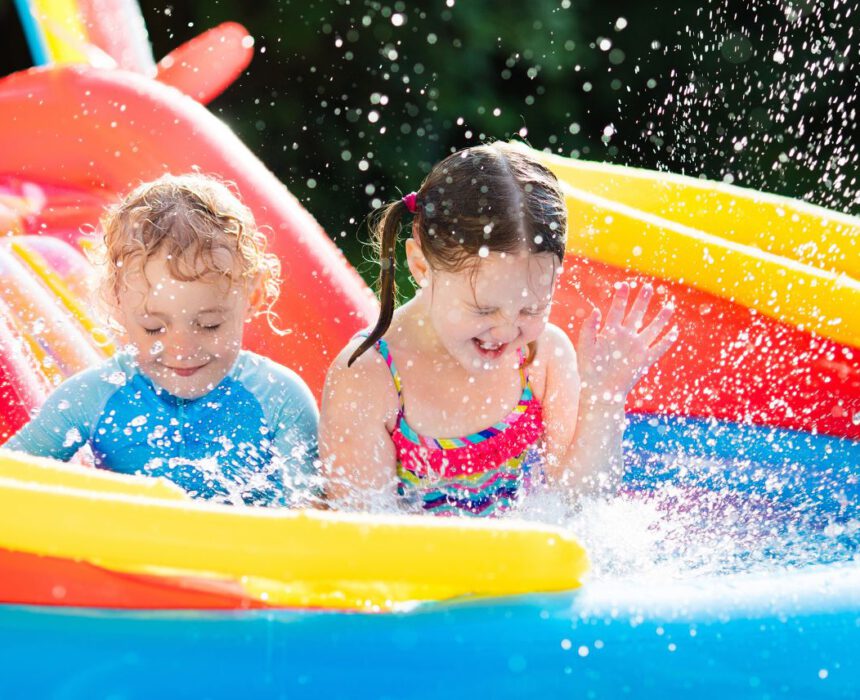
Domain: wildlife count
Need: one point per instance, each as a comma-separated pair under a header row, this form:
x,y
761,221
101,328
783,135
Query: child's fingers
x,y
653,330
619,305
589,329
639,307
659,349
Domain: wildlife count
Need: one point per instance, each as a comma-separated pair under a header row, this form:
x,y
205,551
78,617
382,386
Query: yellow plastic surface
x,y
785,227
786,259
49,472
65,32
296,558
71,302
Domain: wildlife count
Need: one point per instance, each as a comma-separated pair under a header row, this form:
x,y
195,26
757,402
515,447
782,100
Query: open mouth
x,y
489,351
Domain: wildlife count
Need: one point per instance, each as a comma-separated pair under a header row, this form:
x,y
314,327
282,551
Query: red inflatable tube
x,y
119,128
729,362
22,387
205,66
31,579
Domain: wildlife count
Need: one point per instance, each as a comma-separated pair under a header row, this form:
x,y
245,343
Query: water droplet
x,y
72,437
116,378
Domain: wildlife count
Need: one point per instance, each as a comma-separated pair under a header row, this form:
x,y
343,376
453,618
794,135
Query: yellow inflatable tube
x,y
782,226
814,298
64,30
294,558
825,303
17,466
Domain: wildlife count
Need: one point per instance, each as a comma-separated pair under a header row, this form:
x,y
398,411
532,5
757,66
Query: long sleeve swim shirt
x,y
251,439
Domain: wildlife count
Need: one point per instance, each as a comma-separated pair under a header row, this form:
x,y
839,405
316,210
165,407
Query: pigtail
x,y
386,232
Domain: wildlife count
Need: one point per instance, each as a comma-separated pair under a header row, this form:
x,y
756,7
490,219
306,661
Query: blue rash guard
x,y
252,439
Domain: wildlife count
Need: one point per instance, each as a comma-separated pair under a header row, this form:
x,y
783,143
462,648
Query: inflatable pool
x,y
87,620
744,442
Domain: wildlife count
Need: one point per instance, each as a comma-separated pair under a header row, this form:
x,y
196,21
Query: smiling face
x,y
187,334
481,319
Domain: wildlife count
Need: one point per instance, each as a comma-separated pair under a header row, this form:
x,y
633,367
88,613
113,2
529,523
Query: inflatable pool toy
x,y
791,632
754,289
121,586
298,559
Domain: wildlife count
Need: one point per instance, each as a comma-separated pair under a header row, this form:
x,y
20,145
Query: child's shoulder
x,y
554,345
271,383
252,368
370,366
87,392
554,363
107,376
368,379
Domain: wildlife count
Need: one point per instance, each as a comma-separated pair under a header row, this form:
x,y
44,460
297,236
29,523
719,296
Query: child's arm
x,y
357,453
560,404
65,421
295,440
611,361
583,436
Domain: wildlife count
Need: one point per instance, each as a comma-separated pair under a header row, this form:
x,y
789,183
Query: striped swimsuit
x,y
480,474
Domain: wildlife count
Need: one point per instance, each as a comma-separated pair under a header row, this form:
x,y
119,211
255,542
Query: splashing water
x,y
767,98
701,498
770,501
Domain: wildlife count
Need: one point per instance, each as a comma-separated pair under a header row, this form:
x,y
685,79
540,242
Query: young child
x,y
472,355
184,268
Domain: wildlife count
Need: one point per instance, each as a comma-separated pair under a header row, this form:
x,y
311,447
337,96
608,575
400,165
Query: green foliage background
x,y
349,102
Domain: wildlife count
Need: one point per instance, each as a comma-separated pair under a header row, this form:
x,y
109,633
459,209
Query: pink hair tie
x,y
409,201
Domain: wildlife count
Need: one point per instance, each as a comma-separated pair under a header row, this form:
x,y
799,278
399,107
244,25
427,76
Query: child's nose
x,y
183,344
505,332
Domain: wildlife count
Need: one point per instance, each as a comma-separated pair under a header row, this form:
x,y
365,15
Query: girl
x,y
184,268
472,354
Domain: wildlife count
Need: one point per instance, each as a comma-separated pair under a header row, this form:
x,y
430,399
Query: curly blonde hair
x,y
191,218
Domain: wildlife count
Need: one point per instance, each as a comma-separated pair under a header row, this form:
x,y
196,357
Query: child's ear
x,y
417,262
111,306
256,298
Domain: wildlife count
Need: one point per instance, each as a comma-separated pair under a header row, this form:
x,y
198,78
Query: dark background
x,y
350,102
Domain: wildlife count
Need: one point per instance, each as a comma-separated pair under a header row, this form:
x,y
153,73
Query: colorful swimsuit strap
x,y
382,347
449,443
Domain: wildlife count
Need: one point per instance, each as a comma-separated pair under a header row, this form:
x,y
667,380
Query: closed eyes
x,y
531,311
210,328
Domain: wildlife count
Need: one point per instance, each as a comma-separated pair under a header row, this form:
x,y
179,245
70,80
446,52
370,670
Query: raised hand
x,y
613,358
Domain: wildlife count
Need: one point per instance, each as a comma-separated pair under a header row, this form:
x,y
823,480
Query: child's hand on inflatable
x,y
612,359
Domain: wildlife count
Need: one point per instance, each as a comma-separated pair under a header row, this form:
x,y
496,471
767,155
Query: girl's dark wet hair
x,y
493,196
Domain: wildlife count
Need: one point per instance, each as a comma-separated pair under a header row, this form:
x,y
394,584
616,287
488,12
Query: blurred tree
x,y
14,54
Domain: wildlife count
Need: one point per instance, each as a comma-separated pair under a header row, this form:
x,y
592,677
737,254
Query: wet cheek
x,y
225,344
453,324
146,345
533,328
454,316
214,346
152,349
